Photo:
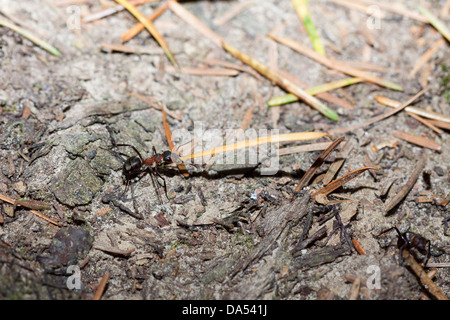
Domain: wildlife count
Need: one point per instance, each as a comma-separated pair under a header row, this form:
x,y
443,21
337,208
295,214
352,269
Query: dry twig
x,y
37,213
426,281
409,184
418,140
319,161
101,287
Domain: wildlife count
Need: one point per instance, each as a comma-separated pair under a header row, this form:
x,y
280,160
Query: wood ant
x,y
408,240
136,167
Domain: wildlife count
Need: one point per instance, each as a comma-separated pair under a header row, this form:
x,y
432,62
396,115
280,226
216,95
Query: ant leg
x,y
164,182
385,231
343,229
134,203
127,184
155,183
133,147
400,250
427,256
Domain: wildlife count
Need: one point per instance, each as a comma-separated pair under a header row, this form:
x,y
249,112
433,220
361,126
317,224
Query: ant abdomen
x,y
132,166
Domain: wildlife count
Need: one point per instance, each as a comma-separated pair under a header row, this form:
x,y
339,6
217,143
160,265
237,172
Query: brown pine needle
x,y
151,28
167,130
354,290
425,57
338,162
286,137
194,22
377,118
114,250
341,181
394,104
319,161
281,81
37,213
109,11
101,287
358,247
154,104
32,204
363,5
206,71
230,65
232,12
440,124
425,122
131,33
418,140
418,111
168,133
409,184
334,64
304,148
109,47
426,281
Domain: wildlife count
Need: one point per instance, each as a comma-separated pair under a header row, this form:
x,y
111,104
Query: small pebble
x,y
20,187
440,172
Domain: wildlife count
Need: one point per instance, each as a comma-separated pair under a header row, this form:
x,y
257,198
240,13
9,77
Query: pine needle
x,y
334,64
435,22
151,28
409,184
289,98
281,81
131,33
101,287
168,134
425,57
341,181
377,118
199,71
417,140
27,34
338,162
426,281
319,161
301,6
286,137
194,22
109,11
304,148
411,111
35,212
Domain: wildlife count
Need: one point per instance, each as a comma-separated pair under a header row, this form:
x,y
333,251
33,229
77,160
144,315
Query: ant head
x,y
167,157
